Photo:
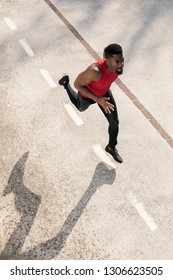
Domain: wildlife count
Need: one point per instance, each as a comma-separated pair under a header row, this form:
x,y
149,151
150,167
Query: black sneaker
x,y
64,80
114,154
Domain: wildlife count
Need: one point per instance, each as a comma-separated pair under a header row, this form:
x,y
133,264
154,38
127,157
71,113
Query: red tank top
x,y
100,87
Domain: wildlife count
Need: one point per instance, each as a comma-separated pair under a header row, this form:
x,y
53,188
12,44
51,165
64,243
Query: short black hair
x,y
112,49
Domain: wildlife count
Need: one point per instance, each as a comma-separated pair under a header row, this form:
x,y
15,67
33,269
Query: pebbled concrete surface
x,y
58,200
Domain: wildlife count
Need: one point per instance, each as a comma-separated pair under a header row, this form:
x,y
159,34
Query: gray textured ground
x,y
57,199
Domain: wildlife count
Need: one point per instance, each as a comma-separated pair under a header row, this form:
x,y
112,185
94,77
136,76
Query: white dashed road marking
x,y
48,78
73,114
10,23
26,47
142,212
101,154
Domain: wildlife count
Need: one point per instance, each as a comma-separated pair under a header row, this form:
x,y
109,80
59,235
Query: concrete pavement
x,y
58,199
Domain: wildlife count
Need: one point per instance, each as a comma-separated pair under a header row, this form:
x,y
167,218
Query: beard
x,y
119,71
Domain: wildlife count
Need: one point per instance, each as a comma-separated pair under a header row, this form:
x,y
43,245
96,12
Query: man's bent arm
x,y
92,73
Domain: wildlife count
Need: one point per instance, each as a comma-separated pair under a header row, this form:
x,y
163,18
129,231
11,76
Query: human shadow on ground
x,y
26,203
52,247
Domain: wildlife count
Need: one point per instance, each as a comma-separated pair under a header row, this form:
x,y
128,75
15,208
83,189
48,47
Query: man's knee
x,y
113,120
81,106
81,109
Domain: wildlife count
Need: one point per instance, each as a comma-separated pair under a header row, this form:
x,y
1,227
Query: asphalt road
x,y
61,196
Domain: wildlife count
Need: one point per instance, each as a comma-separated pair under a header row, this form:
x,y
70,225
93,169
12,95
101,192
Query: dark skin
x,y
93,73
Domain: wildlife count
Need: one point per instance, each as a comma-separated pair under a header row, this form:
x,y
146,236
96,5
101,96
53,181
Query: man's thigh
x,y
114,114
83,103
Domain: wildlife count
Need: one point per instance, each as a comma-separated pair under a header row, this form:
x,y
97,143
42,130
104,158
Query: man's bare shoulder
x,y
91,74
95,71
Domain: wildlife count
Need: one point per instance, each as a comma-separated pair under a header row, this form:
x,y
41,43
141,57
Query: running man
x,y
93,86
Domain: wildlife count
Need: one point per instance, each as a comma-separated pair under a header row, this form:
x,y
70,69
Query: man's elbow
x,y
76,85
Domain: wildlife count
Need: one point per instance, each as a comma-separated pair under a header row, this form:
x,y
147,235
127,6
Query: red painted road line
x,y
121,85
